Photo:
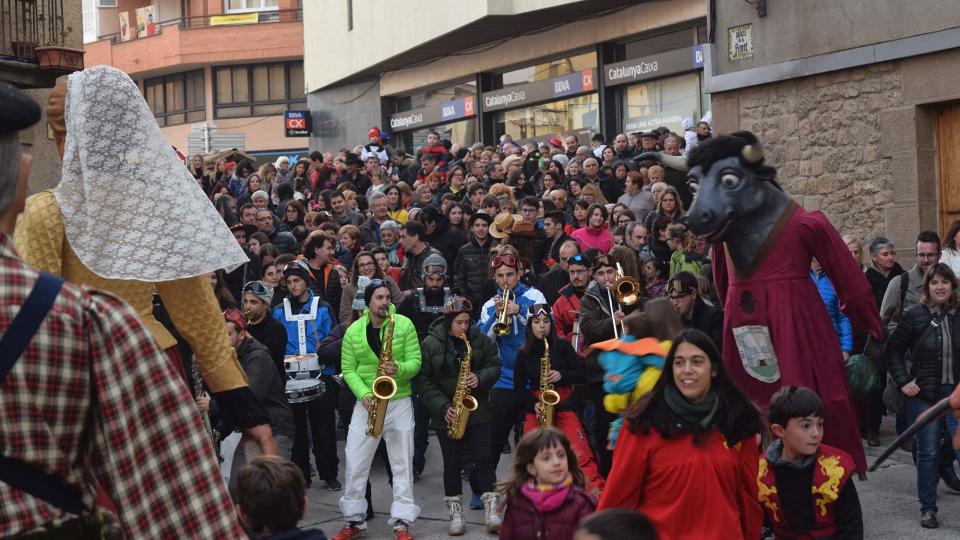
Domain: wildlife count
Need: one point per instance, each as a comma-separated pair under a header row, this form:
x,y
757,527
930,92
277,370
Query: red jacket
x,y
522,520
563,308
688,491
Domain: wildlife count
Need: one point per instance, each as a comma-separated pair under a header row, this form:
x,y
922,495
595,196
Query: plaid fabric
x,y
94,399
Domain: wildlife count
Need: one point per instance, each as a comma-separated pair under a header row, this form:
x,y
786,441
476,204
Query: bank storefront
x,y
623,87
451,111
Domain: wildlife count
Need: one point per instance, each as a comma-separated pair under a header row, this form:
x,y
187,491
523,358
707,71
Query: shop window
x,y
240,6
176,99
546,70
436,96
550,118
665,102
258,90
463,132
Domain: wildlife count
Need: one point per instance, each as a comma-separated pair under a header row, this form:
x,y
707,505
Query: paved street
x,y
888,499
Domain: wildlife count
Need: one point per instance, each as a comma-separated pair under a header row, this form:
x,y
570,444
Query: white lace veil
x,y
130,207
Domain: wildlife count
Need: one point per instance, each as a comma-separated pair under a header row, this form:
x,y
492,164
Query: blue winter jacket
x,y
510,344
315,329
840,321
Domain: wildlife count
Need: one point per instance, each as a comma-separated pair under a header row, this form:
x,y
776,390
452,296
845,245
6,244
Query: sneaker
x,y
333,484
491,511
351,531
455,509
928,519
401,532
475,502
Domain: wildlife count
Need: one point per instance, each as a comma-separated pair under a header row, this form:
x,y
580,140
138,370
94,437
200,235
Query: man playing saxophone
x,y
459,363
361,363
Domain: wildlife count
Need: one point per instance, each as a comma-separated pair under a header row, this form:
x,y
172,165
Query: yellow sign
x,y
239,18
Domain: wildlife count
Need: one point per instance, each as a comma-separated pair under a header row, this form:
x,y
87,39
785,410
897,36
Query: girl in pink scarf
x,y
544,497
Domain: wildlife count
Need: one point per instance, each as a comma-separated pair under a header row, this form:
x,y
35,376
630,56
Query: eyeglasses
x,y
504,260
367,264
540,309
677,296
927,255
258,288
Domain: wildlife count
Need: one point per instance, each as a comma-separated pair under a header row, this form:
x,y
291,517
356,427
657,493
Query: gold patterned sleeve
x,y
39,234
195,312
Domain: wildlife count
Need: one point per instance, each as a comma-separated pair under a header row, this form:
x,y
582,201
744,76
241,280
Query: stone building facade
x,y
852,136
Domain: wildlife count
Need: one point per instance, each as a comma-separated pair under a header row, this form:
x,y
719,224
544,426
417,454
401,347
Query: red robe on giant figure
x,y
776,292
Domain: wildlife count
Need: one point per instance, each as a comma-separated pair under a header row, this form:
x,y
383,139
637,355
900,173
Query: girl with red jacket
x,y
544,497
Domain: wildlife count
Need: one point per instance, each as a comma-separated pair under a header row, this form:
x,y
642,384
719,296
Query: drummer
x,y
307,320
267,386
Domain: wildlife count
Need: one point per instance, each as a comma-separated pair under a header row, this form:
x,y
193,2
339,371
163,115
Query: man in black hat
x,y
694,312
470,267
353,174
65,354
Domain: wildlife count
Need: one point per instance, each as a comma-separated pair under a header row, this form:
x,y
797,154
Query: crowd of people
x,y
546,301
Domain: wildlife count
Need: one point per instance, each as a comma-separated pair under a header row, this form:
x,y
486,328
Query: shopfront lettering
x,y
651,67
405,121
505,99
561,86
631,72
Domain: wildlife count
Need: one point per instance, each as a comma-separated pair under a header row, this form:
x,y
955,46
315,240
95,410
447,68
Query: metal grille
x,y
28,24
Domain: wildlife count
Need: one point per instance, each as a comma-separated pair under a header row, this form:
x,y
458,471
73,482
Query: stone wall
x,y
823,134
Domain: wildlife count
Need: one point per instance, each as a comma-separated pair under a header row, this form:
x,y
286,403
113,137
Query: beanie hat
x,y
433,260
261,290
295,268
259,194
369,290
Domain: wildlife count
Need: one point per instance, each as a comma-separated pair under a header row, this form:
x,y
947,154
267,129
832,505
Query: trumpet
x,y
463,402
626,288
504,322
548,396
384,386
617,331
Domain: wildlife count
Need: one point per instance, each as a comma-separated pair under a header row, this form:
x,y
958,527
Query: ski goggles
x,y
504,260
539,309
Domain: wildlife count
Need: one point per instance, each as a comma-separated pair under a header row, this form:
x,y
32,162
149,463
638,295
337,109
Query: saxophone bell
x,y
384,387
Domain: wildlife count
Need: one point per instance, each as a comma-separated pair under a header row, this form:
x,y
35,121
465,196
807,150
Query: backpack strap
x,y
904,285
14,472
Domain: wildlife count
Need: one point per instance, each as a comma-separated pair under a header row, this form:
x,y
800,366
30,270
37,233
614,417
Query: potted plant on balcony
x,y
56,57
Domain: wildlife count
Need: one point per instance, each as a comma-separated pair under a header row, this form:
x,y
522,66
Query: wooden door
x,y
948,154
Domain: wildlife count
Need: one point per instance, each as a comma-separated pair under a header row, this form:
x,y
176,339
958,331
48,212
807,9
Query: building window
x,y
664,102
176,99
258,89
240,6
549,119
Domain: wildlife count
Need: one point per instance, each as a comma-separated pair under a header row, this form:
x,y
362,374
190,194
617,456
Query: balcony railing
x,y
28,24
229,19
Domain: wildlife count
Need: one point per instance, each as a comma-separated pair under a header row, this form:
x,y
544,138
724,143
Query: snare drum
x,y
304,390
300,363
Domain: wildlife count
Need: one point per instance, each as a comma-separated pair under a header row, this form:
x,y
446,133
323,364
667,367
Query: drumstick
x,y
923,421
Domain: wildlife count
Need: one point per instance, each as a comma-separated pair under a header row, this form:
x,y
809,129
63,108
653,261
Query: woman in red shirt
x,y
690,456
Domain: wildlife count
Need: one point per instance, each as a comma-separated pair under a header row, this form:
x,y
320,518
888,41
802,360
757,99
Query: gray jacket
x,y
890,308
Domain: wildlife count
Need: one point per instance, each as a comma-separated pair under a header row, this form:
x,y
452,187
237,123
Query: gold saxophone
x,y
463,402
548,396
384,386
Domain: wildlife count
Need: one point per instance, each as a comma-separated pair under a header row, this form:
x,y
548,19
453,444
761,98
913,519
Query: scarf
x,y
547,497
695,414
391,250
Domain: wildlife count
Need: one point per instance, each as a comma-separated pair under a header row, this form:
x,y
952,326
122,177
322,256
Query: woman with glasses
x,y
565,370
363,265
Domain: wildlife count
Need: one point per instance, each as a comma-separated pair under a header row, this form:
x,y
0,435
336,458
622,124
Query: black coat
x,y
926,357
526,371
447,240
707,319
878,283
470,271
273,336
327,287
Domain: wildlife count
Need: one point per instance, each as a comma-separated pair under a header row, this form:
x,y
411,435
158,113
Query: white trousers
x,y
359,452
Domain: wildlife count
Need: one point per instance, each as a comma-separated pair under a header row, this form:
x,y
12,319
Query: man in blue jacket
x,y
504,405
829,295
307,320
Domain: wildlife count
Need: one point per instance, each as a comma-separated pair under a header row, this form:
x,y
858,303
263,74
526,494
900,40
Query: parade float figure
x,y
776,327
128,218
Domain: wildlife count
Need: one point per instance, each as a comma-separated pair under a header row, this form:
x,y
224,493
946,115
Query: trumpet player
x,y
563,369
507,312
360,359
601,319
442,379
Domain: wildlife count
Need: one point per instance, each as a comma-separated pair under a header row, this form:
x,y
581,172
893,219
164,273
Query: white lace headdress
x,y
130,207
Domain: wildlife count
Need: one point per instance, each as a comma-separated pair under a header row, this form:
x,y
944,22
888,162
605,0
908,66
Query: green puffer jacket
x,y
437,380
359,363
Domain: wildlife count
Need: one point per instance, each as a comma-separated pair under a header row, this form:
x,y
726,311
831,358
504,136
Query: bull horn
x,y
674,162
752,153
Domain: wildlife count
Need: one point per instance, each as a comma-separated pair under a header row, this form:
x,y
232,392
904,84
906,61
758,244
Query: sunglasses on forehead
x,y
504,260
